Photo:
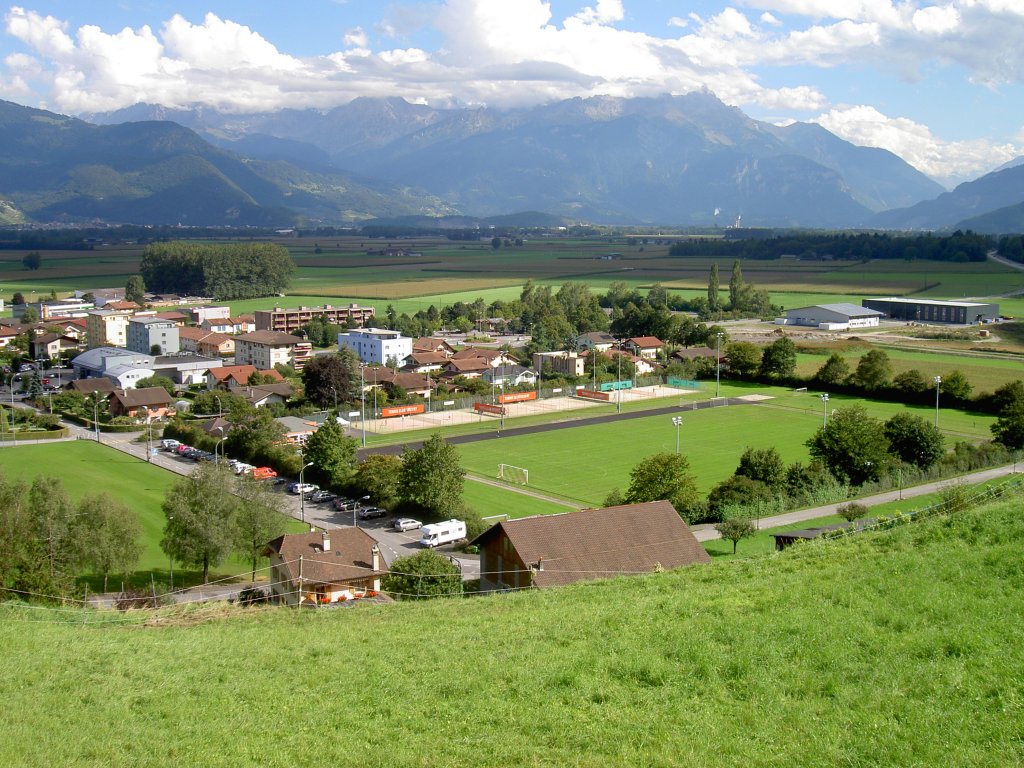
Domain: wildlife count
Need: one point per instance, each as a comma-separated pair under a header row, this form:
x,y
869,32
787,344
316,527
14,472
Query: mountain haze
x,y
56,168
673,160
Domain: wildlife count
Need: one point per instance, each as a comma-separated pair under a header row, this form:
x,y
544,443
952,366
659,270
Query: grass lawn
x,y
585,463
489,500
85,467
887,649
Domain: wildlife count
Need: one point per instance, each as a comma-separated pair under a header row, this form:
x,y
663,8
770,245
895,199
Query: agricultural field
x,y
892,648
85,467
583,464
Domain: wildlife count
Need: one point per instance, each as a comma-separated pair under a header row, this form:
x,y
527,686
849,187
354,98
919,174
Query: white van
x,y
435,534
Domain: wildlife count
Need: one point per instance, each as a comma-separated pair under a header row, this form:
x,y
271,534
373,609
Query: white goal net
x,y
512,474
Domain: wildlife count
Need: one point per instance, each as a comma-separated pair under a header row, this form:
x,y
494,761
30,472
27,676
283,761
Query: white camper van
x,y
436,534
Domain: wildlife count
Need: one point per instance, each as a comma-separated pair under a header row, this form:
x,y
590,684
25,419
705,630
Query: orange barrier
x,y
497,410
592,395
517,397
402,410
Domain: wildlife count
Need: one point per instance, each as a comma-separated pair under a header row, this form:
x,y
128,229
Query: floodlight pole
x,y
302,492
678,421
335,400
618,383
938,385
718,365
824,409
362,402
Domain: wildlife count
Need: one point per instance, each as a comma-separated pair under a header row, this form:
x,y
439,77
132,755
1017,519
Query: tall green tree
x,y
736,286
332,452
764,464
256,520
778,359
23,564
744,358
1009,427
108,536
714,298
834,371
663,476
379,477
332,378
432,476
874,370
911,382
956,386
32,260
423,575
914,440
135,289
852,445
734,529
54,514
200,510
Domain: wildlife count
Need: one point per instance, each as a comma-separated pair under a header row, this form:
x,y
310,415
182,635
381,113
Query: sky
x,y
938,82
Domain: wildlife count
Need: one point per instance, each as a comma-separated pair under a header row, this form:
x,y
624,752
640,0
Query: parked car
x,y
168,444
372,513
280,480
344,505
298,488
406,524
264,473
319,497
180,450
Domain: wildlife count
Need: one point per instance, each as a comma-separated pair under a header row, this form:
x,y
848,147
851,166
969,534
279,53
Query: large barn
x,y
934,311
832,317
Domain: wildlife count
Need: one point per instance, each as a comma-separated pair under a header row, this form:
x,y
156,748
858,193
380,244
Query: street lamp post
x,y
678,421
938,385
96,415
362,402
170,561
302,492
355,522
216,460
718,365
220,408
824,409
335,400
618,383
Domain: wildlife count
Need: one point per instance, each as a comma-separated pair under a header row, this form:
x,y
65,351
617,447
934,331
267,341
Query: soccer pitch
x,y
585,463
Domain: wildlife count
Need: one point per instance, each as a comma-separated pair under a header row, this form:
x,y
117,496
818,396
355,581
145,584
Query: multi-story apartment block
x,y
265,349
107,328
377,345
290,320
147,333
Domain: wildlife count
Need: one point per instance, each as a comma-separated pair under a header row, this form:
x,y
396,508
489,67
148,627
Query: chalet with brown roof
x,y
647,347
640,365
324,567
142,404
413,383
204,342
695,353
493,357
433,344
424,362
100,384
553,550
266,394
178,318
228,377
122,306
7,335
51,345
471,368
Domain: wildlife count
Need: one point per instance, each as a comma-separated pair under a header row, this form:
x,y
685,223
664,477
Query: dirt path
x,y
707,532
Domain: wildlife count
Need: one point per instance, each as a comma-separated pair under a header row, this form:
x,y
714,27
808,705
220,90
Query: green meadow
x,y
85,467
898,648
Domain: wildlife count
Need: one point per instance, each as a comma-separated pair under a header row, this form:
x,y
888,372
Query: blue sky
x,y
939,82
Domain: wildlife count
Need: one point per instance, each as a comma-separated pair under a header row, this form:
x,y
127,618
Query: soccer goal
x,y
511,474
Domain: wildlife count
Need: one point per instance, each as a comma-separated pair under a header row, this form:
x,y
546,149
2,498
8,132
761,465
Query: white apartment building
x,y
144,333
377,345
265,349
108,328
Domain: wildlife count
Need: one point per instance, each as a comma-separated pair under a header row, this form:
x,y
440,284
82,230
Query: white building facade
x,y
832,317
145,333
377,345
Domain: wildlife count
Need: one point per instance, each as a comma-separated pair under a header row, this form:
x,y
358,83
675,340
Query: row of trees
x,y
958,247
224,270
46,539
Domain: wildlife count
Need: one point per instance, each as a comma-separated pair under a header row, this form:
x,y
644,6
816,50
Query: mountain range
x,y
673,161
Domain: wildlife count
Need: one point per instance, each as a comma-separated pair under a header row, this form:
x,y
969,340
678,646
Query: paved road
x,y
707,532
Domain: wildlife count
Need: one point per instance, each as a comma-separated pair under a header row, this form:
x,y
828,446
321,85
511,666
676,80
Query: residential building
x,y
413,383
125,367
145,333
290,320
47,310
88,387
934,311
178,318
7,335
265,349
297,430
223,325
493,357
203,342
471,368
553,550
426,362
229,377
647,347
107,328
266,394
832,317
510,376
49,346
323,567
561,363
202,314
101,296
598,340
377,345
432,344
144,404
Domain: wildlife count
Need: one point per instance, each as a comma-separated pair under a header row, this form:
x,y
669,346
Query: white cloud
x,y
356,38
936,20
606,12
949,162
770,20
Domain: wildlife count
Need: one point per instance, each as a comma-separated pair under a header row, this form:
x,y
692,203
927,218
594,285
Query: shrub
x,y
253,596
851,511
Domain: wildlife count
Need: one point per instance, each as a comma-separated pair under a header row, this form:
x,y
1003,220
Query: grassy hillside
x,y
897,648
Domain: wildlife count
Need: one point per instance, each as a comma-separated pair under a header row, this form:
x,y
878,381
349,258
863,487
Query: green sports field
x,y
585,463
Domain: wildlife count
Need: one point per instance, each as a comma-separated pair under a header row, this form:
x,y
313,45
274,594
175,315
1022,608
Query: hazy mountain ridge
x,y
54,167
683,160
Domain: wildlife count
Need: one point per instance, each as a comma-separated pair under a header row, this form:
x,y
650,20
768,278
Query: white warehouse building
x,y
377,345
832,317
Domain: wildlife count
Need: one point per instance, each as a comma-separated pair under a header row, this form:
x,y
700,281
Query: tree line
x,y
222,270
957,247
